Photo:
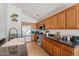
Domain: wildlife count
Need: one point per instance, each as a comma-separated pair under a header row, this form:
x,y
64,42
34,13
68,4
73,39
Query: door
x,y
26,32
55,50
61,20
43,43
65,53
49,47
71,15
53,22
47,23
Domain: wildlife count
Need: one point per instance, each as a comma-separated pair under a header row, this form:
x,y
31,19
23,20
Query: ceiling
x,y
39,11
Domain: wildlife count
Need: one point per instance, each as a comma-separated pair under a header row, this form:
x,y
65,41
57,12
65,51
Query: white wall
x,y
3,20
13,24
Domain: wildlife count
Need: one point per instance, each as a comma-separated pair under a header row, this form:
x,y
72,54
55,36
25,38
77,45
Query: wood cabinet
x,y
53,22
65,53
61,20
47,23
66,50
67,19
77,7
33,25
49,46
43,22
71,17
37,25
44,43
55,50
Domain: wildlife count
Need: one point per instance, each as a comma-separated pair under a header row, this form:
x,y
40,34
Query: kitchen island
x,y
58,47
14,47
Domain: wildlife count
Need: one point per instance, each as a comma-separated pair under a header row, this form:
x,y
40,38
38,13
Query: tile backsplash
x,y
65,32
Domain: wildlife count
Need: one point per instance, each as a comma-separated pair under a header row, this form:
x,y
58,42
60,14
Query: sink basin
x,y
51,35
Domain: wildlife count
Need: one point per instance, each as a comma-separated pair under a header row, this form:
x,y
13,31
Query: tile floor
x,y
34,50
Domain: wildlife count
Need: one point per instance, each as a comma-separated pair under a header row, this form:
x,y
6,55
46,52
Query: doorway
x,y
26,32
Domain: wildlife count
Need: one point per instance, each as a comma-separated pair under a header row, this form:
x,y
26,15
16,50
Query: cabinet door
x,y
43,43
34,25
47,23
61,20
43,22
77,6
49,47
37,25
65,53
55,50
71,18
53,22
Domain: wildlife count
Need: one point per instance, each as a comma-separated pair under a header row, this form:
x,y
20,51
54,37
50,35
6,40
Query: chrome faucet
x,y
14,34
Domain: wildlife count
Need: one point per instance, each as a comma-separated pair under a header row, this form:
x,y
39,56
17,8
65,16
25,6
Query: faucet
x,y
15,34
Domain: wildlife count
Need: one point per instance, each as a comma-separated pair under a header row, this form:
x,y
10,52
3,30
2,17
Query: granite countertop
x,y
71,44
19,42
14,42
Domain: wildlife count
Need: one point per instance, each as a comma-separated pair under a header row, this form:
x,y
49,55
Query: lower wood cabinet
x,y
43,43
65,53
54,48
49,47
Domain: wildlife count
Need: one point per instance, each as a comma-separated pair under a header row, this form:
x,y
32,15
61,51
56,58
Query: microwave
x,y
42,27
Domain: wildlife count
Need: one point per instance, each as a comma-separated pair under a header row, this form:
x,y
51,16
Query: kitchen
x,y
56,34
58,41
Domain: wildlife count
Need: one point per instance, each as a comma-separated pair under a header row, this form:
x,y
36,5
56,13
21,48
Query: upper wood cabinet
x,y
53,22
61,20
71,17
67,19
33,25
43,22
47,24
37,25
77,6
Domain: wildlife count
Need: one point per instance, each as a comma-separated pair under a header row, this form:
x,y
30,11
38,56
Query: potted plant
x,y
14,16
